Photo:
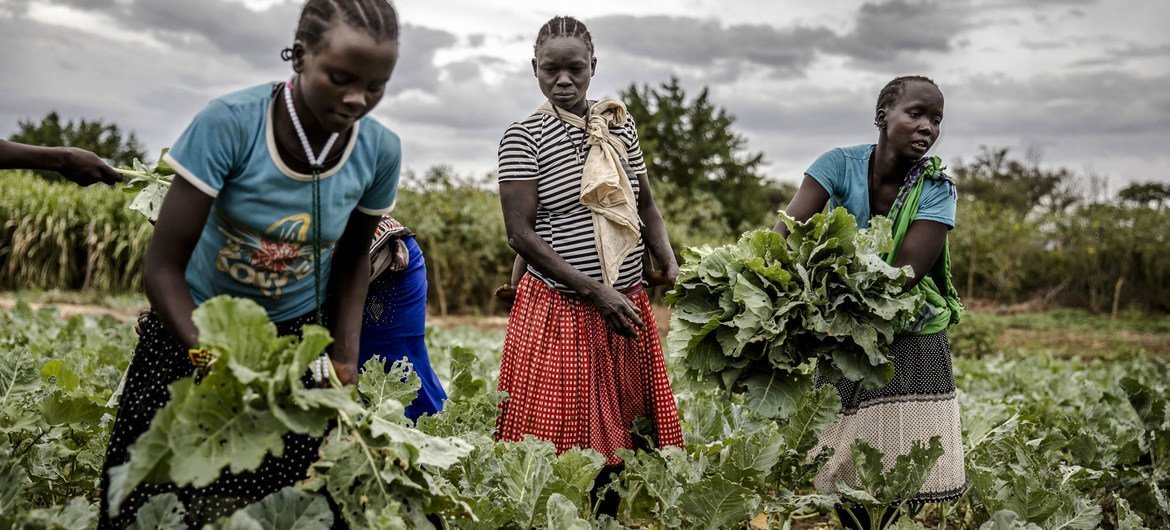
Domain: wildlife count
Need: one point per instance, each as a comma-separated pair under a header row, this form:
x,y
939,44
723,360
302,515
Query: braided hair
x,y
376,17
894,89
562,26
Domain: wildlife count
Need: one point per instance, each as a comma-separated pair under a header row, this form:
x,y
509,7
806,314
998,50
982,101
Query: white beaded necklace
x,y
314,161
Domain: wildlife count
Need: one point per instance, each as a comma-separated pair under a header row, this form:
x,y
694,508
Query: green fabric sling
x,y
937,288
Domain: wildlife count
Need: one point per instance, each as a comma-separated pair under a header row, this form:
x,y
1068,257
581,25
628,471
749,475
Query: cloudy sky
x,y
1085,83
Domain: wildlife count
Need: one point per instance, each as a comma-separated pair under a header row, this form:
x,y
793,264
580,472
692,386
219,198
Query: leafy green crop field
x,y
1052,442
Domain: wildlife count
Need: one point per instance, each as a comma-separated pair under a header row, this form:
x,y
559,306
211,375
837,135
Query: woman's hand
x,y
346,372
86,168
506,294
143,317
619,312
664,276
348,285
669,273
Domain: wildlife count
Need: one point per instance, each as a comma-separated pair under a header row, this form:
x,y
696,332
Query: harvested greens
x,y
758,313
149,185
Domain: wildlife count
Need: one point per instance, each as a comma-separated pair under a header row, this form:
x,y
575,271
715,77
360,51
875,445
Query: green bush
x,y
459,225
1095,255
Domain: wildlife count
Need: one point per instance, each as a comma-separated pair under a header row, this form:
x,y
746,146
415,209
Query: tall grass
x,y
60,236
1108,257
65,237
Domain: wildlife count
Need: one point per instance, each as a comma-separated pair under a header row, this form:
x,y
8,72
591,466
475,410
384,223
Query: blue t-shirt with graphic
x,y
844,173
258,239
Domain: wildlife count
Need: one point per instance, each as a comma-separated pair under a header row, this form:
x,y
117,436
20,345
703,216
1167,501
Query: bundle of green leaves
x,y
148,185
373,465
759,313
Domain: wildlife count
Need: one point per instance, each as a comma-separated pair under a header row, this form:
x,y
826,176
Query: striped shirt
x,y
545,149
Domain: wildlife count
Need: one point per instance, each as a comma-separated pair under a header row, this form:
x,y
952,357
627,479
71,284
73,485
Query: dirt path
x,y
69,310
1103,343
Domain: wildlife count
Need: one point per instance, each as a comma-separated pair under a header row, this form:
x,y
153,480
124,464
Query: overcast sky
x,y
1086,83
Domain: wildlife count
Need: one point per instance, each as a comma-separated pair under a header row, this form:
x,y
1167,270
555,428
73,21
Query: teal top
x,y
257,242
844,173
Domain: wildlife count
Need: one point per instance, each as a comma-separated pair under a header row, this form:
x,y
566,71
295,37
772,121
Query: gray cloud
x,y
256,36
14,8
153,92
467,105
1043,44
886,32
222,25
229,27
1114,103
417,46
1031,4
1131,51
703,43
886,36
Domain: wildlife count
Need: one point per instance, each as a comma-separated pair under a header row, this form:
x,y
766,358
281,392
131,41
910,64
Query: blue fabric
x,y
257,242
394,326
844,173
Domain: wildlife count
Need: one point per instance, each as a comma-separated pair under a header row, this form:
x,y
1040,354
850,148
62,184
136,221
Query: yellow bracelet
x,y
202,358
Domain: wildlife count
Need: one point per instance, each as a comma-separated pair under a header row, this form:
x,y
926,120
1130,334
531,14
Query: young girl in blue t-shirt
x,y
280,188
894,178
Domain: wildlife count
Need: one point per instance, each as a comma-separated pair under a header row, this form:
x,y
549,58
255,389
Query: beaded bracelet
x,y
202,358
320,369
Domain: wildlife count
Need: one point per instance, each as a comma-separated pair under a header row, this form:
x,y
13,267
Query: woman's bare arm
x,y
810,198
654,232
181,218
349,282
519,201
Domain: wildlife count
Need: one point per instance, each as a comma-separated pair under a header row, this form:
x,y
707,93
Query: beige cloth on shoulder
x,y
605,186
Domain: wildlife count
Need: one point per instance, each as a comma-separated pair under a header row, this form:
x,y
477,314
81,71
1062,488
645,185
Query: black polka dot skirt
x,y
159,360
917,404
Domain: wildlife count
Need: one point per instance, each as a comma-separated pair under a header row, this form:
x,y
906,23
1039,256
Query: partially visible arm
x,y
921,248
519,267
518,198
810,198
77,165
348,283
180,221
654,232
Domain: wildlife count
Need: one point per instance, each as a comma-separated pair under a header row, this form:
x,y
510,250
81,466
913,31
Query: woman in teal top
x,y
279,188
893,178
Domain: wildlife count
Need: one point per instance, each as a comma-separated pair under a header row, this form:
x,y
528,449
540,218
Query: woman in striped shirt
x,y
582,357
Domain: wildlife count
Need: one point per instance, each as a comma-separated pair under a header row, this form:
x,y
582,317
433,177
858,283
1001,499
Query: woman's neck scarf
x,y
937,287
605,185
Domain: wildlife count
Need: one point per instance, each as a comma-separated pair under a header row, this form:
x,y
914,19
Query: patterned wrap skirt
x,y
918,404
573,382
159,360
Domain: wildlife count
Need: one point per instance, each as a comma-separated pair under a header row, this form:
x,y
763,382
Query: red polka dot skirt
x,y
576,384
